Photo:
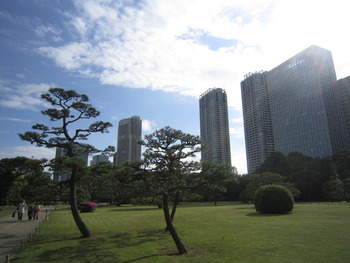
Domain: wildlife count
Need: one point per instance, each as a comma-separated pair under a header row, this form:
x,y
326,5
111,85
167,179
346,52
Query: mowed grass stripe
x,y
223,233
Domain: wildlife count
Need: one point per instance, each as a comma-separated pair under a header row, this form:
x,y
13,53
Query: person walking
x,y
31,212
36,212
20,209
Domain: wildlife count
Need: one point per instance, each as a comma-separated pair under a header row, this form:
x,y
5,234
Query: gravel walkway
x,y
12,232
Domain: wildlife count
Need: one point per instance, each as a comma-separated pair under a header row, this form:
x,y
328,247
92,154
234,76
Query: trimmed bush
x,y
273,199
87,207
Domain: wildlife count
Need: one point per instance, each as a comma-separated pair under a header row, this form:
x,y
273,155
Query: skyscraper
x,y
214,126
129,133
257,119
305,108
344,92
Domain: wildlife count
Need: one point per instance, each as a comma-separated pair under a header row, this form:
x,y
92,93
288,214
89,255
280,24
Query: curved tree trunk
x,y
173,210
176,202
179,244
74,208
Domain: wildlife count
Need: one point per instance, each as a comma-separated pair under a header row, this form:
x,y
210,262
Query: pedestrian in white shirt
x,y
20,209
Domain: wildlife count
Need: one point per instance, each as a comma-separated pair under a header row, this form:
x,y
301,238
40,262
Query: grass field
x,y
229,232
6,210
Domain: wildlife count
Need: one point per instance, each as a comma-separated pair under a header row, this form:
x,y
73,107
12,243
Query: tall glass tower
x,y
214,126
344,92
129,133
257,119
300,101
305,105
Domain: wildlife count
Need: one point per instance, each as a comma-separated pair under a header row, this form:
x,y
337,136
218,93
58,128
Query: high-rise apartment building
x,y
306,113
344,92
257,119
214,126
129,133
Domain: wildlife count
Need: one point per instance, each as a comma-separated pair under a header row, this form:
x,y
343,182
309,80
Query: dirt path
x,y
12,232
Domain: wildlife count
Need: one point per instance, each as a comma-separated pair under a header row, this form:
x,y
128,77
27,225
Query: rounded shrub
x,y
273,199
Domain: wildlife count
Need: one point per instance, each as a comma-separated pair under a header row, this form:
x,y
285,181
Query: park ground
x,y
228,232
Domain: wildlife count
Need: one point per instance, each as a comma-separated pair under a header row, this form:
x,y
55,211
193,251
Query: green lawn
x,y
229,232
6,210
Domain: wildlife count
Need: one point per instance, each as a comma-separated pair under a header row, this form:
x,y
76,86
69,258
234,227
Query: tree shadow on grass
x,y
245,207
98,248
150,256
128,240
133,209
257,214
91,249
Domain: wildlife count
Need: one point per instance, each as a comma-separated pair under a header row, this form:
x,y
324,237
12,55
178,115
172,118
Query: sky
x,y
151,58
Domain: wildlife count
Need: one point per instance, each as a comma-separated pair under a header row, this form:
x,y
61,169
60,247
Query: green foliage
x,y
167,159
306,173
215,180
168,169
68,107
276,163
341,162
333,190
13,175
346,185
255,181
273,199
112,184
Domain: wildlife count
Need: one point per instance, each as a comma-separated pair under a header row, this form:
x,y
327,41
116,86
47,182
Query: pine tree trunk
x,y
173,210
179,244
176,202
74,208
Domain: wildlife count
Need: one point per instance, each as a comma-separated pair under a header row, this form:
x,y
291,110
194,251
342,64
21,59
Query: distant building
x,y
344,92
61,176
97,159
129,133
257,119
306,112
214,126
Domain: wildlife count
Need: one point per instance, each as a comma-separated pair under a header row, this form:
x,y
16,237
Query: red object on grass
x,y
87,206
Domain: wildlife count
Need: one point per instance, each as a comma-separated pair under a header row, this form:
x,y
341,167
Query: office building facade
x,y
305,108
129,133
257,119
305,105
344,92
214,126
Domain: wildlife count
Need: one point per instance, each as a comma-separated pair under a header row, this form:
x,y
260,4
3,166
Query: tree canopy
x,y
68,109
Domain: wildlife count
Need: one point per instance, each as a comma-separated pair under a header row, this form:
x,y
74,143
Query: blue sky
x,y
151,58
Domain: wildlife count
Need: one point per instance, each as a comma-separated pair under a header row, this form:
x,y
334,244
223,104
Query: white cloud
x,y
27,151
148,126
48,30
156,44
160,45
23,96
14,119
237,120
237,131
239,161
